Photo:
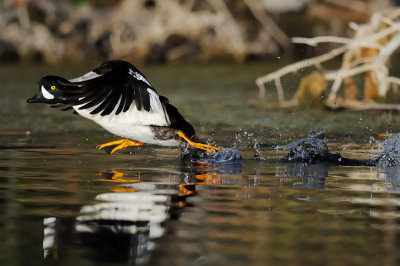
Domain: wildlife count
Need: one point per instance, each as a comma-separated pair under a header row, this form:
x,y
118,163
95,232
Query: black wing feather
x,y
123,102
119,83
92,102
63,107
129,97
111,105
102,106
145,99
138,99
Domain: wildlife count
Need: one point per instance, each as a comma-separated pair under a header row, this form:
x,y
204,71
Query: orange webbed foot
x,y
198,145
120,144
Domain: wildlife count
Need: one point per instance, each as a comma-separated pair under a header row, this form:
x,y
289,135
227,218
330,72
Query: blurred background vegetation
x,y
54,31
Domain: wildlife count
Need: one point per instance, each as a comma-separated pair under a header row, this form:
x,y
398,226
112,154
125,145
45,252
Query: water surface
x,y
64,203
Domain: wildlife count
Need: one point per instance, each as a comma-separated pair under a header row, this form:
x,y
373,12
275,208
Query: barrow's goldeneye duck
x,y
120,99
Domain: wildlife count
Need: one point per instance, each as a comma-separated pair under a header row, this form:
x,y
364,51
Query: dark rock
x,y
313,149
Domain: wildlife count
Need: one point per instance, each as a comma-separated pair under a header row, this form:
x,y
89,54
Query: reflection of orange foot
x,y
185,190
208,178
198,145
117,177
120,144
123,189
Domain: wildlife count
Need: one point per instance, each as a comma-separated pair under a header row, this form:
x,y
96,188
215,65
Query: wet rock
x,y
313,149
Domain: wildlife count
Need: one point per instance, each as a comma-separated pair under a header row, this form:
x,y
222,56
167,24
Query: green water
x,y
64,203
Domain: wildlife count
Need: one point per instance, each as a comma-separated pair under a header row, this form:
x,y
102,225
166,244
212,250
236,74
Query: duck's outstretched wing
x,y
115,85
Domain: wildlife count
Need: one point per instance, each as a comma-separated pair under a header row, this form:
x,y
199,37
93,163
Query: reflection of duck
x,y
120,99
121,227
299,175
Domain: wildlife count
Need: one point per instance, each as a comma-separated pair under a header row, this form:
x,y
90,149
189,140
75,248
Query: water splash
x,y
248,140
312,148
390,156
226,155
244,138
373,140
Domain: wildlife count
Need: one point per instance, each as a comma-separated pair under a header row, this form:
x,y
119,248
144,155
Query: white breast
x,y
132,124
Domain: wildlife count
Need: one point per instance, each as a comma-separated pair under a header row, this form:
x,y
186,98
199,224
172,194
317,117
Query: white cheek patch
x,y
47,95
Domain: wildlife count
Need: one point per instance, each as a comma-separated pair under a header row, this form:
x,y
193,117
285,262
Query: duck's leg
x,y
197,144
120,144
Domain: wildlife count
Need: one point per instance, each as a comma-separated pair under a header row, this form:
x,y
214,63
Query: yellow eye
x,y
53,88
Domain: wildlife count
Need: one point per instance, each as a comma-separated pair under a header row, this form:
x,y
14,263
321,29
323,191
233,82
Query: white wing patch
x,y
137,76
87,76
46,94
155,103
